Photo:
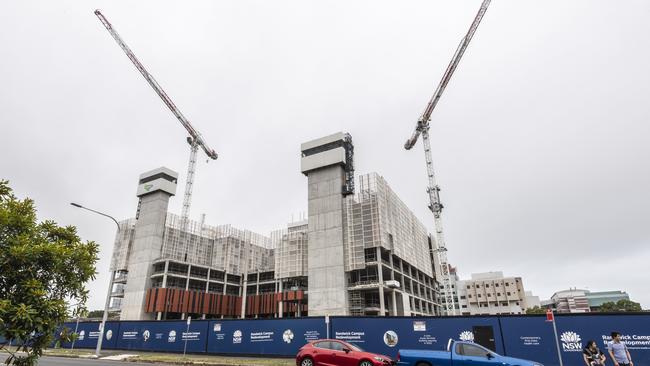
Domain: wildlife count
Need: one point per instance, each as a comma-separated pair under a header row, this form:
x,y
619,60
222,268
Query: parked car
x,y
332,352
458,354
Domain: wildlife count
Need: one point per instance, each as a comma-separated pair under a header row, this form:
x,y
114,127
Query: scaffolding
x,y
221,247
291,250
376,217
122,245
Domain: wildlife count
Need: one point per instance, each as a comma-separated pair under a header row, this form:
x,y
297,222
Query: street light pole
x,y
102,325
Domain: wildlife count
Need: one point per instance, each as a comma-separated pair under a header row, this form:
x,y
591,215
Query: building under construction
x,y
361,251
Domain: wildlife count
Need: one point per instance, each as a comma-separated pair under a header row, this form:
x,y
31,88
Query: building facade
x,y
361,251
582,301
491,293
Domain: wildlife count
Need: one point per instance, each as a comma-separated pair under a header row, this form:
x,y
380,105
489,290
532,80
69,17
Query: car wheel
x,y
307,362
365,363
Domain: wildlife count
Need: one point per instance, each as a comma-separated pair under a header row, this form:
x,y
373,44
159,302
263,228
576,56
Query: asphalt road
x,y
64,361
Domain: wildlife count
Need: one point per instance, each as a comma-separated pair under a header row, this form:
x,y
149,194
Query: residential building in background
x,y
582,301
360,251
491,293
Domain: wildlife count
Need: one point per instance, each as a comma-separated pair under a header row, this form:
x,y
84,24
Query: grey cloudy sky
x,y
540,142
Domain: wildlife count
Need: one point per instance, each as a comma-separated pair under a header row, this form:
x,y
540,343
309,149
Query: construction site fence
x,y
529,337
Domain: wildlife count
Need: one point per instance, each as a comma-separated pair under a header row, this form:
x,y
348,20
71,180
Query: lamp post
x,y
102,325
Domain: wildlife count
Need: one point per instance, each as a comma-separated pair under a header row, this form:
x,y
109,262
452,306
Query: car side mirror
x,y
346,350
489,356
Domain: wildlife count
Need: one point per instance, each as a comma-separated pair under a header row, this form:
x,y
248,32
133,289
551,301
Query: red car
x,y
332,352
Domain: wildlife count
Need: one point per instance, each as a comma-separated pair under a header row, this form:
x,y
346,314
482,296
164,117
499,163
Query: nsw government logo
x,y
82,335
236,336
571,342
109,335
466,336
171,338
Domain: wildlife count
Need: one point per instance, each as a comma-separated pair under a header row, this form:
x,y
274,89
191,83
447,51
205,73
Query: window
x,y
489,295
498,294
508,293
479,295
470,296
496,285
487,285
325,345
477,286
471,350
462,297
517,303
507,283
468,287
336,346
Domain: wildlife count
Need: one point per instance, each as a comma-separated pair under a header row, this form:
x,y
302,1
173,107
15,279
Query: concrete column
x,y
244,293
281,304
380,274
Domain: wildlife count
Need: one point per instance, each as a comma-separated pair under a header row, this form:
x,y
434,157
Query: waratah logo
x,y
82,335
217,327
571,342
146,335
171,338
287,336
109,335
466,336
236,336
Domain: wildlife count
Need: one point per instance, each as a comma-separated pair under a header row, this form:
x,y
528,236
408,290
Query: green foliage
x,y
43,265
536,310
620,306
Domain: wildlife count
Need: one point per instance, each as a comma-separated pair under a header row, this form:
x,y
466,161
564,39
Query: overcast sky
x,y
540,142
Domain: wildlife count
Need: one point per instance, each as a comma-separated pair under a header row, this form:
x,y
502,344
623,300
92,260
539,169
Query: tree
x,y
619,306
536,310
43,266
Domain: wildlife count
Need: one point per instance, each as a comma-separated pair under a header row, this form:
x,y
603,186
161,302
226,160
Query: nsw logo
x,y
82,335
466,336
236,336
571,342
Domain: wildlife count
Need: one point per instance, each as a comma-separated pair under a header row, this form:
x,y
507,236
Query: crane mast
x,y
433,190
195,139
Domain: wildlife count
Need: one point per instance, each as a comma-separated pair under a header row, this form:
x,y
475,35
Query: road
x,y
64,361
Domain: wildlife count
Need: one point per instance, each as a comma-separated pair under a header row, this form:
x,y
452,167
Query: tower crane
x,y
194,139
422,128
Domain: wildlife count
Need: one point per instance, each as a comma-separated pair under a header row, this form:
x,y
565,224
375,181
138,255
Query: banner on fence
x,y
280,337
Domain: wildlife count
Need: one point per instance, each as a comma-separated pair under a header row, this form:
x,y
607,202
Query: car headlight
x,y
380,359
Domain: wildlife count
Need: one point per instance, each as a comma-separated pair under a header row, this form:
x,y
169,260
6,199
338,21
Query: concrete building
x,y
582,301
491,293
361,251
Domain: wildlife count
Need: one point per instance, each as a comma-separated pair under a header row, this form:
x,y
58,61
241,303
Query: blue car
x,y
458,354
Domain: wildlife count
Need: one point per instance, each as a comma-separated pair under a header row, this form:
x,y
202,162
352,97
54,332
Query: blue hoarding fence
x,y
527,337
